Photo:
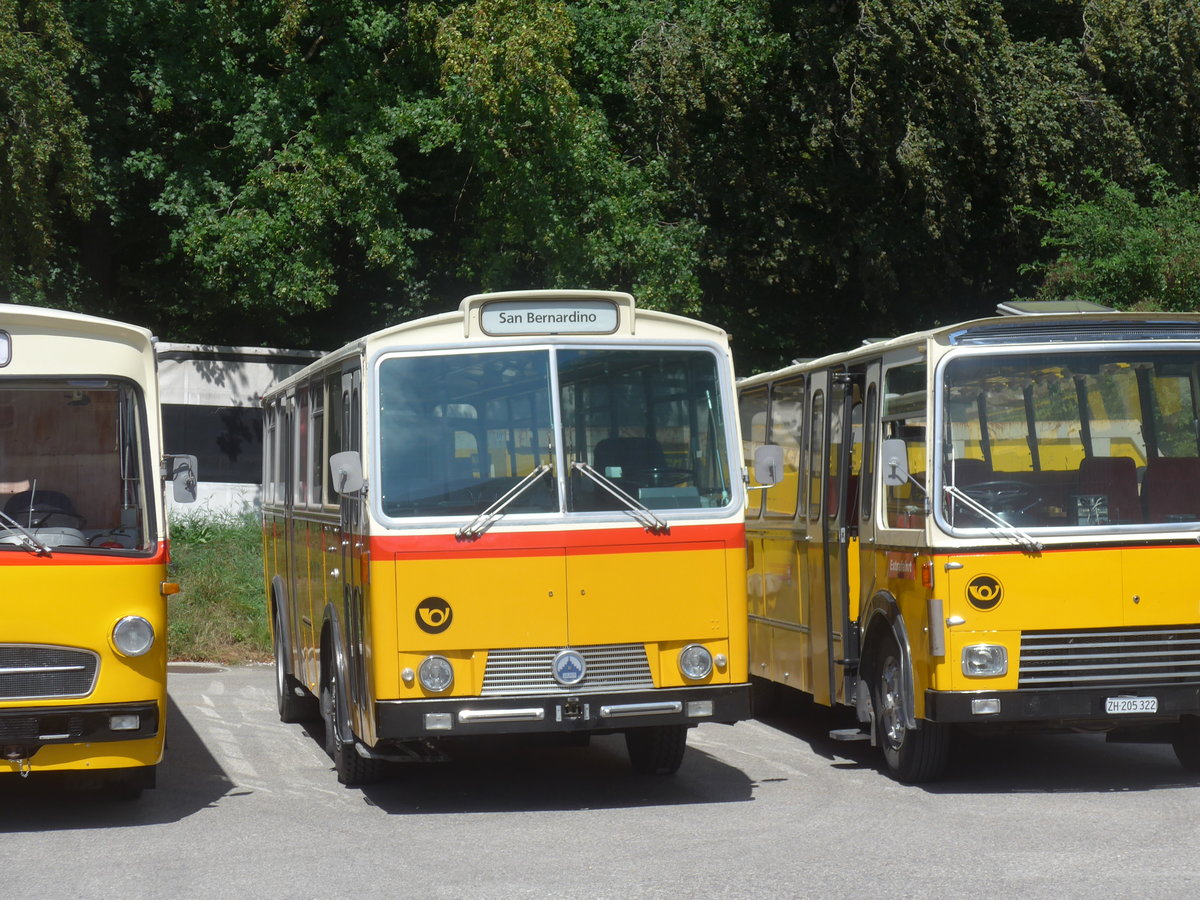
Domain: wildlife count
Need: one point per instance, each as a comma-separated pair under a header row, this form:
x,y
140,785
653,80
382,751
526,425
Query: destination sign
x,y
504,317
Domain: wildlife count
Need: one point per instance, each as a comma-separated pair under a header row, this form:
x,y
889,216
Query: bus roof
x,y
1040,328
468,323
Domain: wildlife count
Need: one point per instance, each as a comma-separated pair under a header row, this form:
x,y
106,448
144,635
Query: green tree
x,y
1118,251
45,163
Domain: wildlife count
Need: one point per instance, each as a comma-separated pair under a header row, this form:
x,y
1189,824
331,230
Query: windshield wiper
x,y
643,514
28,540
1007,529
484,520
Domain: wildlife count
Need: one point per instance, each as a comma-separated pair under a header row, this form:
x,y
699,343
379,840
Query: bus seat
x,y
629,455
1116,478
968,470
1171,489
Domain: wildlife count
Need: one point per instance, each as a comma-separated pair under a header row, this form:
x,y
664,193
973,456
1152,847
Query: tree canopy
x,y
296,172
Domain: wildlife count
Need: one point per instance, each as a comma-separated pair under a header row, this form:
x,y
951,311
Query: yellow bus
x,y
524,516
83,549
993,525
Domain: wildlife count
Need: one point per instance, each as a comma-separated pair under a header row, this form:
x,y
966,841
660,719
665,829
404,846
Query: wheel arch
x,y
880,619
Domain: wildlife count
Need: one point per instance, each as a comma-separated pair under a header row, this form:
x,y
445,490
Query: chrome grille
x,y
610,667
1116,657
38,671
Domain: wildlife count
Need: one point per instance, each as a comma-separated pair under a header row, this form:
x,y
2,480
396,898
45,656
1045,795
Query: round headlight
x,y
133,636
436,674
695,662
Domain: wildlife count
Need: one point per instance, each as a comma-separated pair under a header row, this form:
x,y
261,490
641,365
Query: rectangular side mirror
x,y
345,470
895,462
181,470
768,464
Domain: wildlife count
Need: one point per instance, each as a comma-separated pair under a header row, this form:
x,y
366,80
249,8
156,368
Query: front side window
x,y
1065,440
458,431
72,466
650,422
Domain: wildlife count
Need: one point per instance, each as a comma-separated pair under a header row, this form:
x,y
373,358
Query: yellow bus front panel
x,y
71,608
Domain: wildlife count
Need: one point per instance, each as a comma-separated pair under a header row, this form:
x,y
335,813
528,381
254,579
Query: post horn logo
x,y
984,592
434,615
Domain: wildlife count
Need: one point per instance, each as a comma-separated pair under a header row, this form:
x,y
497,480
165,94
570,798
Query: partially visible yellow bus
x,y
83,548
993,525
524,516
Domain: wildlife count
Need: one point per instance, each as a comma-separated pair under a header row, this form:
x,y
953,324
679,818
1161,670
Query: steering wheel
x,y
1003,496
661,476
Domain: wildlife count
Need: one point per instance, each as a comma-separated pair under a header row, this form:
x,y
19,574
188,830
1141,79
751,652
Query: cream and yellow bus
x,y
993,525
83,548
524,516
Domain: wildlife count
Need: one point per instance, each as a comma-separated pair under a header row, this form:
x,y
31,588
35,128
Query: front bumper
x,y
402,720
1061,706
34,727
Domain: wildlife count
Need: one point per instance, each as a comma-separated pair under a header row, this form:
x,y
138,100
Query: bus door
x,y
836,536
355,557
822,558
864,449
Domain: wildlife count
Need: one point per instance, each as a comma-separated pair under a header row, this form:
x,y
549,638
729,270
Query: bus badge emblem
x,y
984,592
568,668
434,615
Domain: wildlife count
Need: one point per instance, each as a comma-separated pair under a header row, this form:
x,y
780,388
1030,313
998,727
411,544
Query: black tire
x,y
913,756
352,769
657,750
1187,742
295,703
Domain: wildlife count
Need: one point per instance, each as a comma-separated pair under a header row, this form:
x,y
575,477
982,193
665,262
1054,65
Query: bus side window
x,y
787,425
904,417
753,412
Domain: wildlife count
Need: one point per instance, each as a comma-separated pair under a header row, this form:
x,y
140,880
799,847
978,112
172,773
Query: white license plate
x,y
1121,705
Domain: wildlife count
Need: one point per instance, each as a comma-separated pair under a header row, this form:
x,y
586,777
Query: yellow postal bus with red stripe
x,y
83,548
525,516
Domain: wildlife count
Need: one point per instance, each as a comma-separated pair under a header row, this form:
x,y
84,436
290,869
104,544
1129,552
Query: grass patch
x,y
220,614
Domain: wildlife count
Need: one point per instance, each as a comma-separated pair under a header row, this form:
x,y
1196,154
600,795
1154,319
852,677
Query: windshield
x,y
1071,440
458,431
71,464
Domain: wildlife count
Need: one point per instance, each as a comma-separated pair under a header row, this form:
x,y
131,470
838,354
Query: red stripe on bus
x,y
551,543
19,557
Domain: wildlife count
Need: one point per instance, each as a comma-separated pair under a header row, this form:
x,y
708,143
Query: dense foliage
x,y
295,172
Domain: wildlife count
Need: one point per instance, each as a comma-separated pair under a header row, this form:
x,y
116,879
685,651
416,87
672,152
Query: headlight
x,y
695,662
133,636
984,660
436,674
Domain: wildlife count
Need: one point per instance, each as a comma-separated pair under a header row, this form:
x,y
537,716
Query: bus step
x,y
849,734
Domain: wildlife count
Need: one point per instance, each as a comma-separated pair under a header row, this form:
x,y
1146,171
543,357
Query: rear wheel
x,y
657,750
913,755
1187,743
352,769
295,703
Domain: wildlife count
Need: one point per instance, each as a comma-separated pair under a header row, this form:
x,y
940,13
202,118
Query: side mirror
x,y
345,469
181,471
768,464
895,462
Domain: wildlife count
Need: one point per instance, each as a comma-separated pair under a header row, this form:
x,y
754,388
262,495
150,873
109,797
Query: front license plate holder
x,y
1124,706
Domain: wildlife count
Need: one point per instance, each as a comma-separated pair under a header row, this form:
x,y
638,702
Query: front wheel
x,y
657,750
352,769
913,755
